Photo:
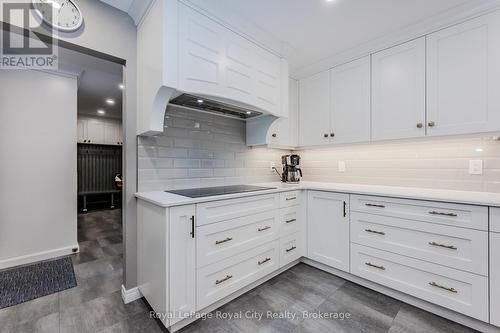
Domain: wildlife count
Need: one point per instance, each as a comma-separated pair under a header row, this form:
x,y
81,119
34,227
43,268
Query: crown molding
x,y
446,19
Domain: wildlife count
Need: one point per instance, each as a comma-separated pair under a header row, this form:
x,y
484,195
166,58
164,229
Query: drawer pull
x,y
223,241
290,221
374,205
291,198
375,266
443,214
264,261
434,284
443,245
291,249
375,232
224,279
265,228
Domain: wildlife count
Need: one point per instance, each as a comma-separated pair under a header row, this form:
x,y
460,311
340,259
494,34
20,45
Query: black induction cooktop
x,y
218,190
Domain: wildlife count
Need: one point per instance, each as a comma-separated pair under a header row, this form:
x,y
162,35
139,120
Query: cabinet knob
x,y
420,125
432,124
332,135
325,135
274,135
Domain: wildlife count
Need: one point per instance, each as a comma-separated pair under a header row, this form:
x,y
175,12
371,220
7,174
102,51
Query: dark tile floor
x,y
95,305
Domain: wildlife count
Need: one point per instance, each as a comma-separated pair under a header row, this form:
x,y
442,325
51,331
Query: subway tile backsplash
x,y
431,163
198,149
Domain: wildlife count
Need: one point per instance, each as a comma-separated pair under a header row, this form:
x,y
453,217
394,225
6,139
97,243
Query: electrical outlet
x,y
475,167
341,166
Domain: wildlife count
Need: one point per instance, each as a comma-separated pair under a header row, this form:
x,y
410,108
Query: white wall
x,y
199,150
38,184
431,163
113,32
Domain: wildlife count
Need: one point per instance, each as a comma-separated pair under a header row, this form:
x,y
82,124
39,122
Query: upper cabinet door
x,y
398,91
95,131
314,110
350,102
463,77
284,131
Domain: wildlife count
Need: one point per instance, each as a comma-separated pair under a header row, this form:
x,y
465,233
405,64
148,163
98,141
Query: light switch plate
x,y
341,166
475,167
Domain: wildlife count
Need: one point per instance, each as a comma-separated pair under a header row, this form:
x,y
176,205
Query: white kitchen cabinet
x,y
398,91
495,278
314,110
182,260
463,77
215,61
328,228
350,102
99,131
284,131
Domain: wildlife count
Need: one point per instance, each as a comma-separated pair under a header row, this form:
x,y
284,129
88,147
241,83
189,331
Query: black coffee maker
x,y
291,169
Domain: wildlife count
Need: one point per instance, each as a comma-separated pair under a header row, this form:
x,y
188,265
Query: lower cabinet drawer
x,y
225,277
288,199
290,249
289,220
459,248
222,240
453,289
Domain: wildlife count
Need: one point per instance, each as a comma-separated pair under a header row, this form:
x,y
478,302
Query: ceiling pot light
x,y
200,101
101,111
121,86
110,101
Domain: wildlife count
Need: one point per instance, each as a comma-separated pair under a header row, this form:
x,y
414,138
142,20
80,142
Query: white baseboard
x,y
39,256
130,295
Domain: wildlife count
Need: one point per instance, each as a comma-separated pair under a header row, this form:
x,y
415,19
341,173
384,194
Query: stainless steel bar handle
x,y
264,228
291,249
223,241
224,279
375,266
374,205
290,221
434,284
443,214
443,245
264,261
375,232
291,198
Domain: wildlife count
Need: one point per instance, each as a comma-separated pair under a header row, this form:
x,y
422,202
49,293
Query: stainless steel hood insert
x,y
216,107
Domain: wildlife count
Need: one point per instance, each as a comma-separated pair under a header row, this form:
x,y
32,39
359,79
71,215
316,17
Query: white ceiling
x,y
97,80
318,29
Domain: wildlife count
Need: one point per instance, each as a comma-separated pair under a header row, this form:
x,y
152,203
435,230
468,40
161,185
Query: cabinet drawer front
x,y
211,212
221,240
495,278
288,199
495,219
290,249
458,248
465,216
289,220
456,290
228,276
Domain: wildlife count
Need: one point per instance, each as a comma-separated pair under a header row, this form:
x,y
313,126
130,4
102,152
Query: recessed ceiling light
x,y
110,101
200,100
479,150
121,86
101,111
249,112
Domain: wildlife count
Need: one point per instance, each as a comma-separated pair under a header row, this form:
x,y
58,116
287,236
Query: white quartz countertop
x,y
165,199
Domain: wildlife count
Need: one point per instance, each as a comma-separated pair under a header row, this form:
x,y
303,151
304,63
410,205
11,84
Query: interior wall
x,y
199,150
110,31
37,166
431,163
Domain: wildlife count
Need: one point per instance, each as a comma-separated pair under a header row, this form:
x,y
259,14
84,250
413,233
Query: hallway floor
x,y
95,305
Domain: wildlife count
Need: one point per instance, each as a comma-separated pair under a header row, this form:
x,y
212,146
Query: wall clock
x,y
62,15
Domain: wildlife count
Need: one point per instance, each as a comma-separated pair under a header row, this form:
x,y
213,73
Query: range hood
x,y
190,60
216,107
